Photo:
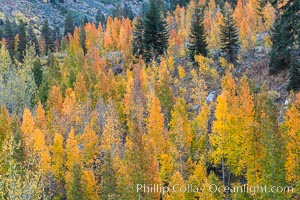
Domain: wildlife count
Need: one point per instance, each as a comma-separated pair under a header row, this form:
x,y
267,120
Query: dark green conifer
x,y
156,33
285,45
32,39
82,37
197,40
294,76
9,36
100,17
37,72
22,41
47,36
229,36
138,37
69,24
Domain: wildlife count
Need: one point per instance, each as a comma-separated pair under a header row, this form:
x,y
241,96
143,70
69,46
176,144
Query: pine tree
x,y
9,36
37,72
294,76
156,34
229,36
285,37
197,39
32,39
47,36
69,24
100,18
138,37
82,37
22,41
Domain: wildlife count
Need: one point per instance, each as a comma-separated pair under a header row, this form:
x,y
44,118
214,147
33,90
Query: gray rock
x,y
211,96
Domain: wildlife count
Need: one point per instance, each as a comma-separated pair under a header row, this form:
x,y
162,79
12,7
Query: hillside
x,y
198,101
37,11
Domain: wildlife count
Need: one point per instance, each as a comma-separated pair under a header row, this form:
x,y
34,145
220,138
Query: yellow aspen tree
x,y
218,138
292,124
238,13
4,124
91,35
40,117
90,146
200,180
58,157
198,89
55,106
151,167
245,117
72,151
269,16
73,165
111,136
69,108
80,88
41,150
177,181
90,187
180,132
200,134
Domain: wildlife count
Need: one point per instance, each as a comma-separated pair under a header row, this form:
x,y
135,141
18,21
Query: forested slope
x,y
196,95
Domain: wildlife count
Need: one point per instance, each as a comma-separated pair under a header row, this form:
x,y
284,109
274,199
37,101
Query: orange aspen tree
x,y
27,129
91,36
115,32
108,41
41,150
155,126
80,89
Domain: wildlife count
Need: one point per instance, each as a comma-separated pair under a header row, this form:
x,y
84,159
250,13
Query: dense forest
x,y
200,94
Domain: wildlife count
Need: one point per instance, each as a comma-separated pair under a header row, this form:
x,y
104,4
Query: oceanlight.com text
x,y
191,188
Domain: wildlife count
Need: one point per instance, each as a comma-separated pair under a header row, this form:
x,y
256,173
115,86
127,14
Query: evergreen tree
x,y
156,34
174,3
138,37
100,17
82,37
37,72
197,39
9,36
22,41
284,37
69,24
47,36
32,39
85,20
294,76
229,36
